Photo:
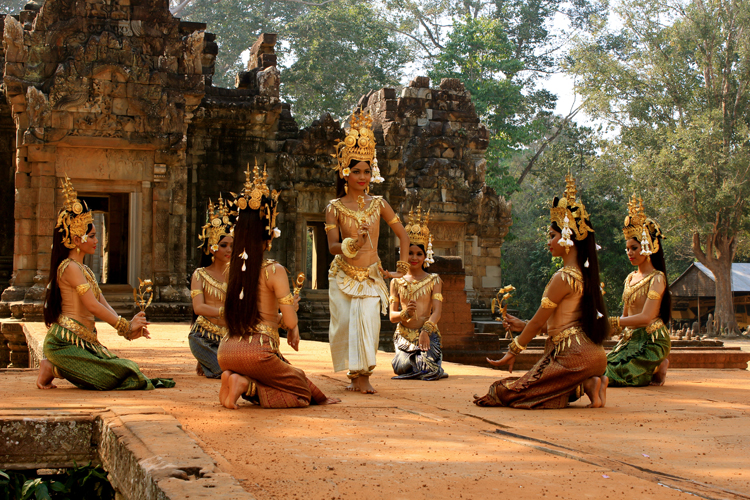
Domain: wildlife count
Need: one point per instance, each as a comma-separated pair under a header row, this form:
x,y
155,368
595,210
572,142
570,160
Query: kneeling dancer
x,y
574,313
257,288
72,304
640,358
416,305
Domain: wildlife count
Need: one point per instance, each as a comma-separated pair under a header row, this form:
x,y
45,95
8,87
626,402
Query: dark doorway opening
x,y
111,216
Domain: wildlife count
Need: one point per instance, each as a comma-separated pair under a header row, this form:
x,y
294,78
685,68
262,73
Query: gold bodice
x,y
72,305
634,295
214,292
421,292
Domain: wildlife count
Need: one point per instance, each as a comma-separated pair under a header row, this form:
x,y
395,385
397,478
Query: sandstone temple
x,y
118,95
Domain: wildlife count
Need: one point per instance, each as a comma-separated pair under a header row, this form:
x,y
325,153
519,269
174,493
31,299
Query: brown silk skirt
x,y
554,381
278,384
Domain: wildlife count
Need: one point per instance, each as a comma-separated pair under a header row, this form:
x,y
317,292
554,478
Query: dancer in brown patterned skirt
x,y
574,317
257,289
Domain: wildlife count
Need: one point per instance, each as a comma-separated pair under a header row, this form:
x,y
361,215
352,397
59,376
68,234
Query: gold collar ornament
x,y
642,228
570,215
218,225
359,144
419,233
74,217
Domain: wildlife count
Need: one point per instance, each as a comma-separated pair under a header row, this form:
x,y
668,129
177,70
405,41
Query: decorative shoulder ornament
x,y
419,233
218,224
359,144
642,228
570,215
74,217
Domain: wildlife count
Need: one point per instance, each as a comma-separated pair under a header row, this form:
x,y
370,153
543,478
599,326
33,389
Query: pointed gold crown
x,y
359,144
218,224
419,233
570,215
637,225
74,217
256,196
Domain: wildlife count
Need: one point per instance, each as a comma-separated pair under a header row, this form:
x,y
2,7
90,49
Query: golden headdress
x,y
74,217
256,196
359,144
642,228
218,225
570,215
419,232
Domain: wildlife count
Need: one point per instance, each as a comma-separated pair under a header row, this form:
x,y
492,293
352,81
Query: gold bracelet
x,y
515,348
221,312
348,248
614,324
123,327
402,267
429,327
405,314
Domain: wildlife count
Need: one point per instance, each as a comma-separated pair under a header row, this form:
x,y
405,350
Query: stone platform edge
x,y
145,451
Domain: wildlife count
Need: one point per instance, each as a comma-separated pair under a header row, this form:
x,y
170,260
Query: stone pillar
x,y
15,339
455,322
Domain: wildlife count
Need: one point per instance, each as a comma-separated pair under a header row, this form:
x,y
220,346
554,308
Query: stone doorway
x,y
111,217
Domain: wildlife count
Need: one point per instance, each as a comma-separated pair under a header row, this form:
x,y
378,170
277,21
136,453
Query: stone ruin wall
x,y
118,95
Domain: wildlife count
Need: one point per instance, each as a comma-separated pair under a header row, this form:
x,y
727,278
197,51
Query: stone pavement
x,y
427,440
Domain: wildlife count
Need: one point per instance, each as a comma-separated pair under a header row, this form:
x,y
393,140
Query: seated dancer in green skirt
x,y
71,347
640,358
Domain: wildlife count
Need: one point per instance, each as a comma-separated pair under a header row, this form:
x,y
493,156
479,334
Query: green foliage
x,y
77,483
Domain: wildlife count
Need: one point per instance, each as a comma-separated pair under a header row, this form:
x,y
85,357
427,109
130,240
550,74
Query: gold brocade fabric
x,y
411,334
81,331
265,332
215,332
632,292
413,290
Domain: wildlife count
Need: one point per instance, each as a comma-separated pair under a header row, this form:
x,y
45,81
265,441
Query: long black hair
x,y
250,236
52,297
657,260
594,319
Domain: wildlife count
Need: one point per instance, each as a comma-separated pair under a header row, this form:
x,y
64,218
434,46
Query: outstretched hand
x,y
292,338
508,359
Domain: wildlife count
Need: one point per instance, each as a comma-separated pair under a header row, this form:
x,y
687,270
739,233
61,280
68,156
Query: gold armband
x,y
123,327
402,267
437,296
195,293
287,300
328,227
349,248
548,304
653,295
221,312
394,220
82,289
515,348
429,327
392,299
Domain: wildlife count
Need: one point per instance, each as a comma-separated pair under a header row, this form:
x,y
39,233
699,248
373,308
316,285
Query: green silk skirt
x,y
90,365
634,360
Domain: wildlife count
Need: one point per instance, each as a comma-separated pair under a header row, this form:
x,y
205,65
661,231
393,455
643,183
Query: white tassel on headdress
x,y
586,264
565,240
244,257
599,315
242,293
645,247
429,260
598,247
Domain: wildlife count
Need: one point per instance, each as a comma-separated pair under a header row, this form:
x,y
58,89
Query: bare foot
x,y
603,390
331,401
661,373
591,387
353,385
199,370
365,387
224,385
46,375
238,385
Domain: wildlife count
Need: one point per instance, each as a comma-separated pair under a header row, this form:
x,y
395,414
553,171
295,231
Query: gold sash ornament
x,y
565,338
215,332
655,329
411,334
262,330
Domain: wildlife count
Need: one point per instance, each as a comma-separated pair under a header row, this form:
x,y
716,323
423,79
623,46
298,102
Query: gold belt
x,y
410,334
354,272
261,329
651,329
564,339
215,331
81,331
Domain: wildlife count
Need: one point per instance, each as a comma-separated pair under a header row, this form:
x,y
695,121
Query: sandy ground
x,y
419,440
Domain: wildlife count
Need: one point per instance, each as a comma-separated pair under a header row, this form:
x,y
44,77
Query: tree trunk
x,y
718,257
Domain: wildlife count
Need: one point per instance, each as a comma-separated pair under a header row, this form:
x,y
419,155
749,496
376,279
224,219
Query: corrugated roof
x,y
740,275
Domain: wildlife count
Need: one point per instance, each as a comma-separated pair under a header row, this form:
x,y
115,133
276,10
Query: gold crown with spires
x,y
644,229
359,144
256,196
570,215
74,217
218,224
419,232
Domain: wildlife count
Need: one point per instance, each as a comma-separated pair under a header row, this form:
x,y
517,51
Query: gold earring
x,y
78,250
212,258
346,188
367,189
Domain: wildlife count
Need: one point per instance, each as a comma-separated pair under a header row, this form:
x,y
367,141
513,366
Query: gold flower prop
x,y
501,301
299,282
145,288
